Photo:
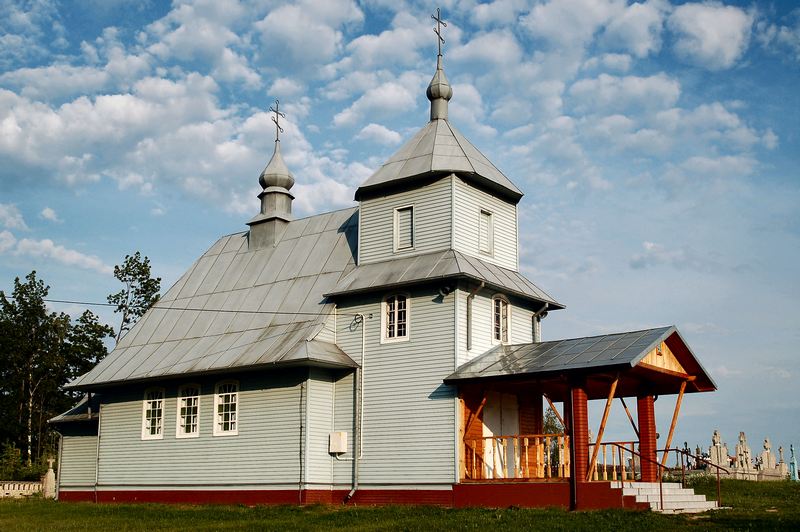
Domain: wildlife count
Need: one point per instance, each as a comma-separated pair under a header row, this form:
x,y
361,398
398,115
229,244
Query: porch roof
x,y
593,356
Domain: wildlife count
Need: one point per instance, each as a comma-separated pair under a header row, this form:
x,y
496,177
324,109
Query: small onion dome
x,y
439,92
276,174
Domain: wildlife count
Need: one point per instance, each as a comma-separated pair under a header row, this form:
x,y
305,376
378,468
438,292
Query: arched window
x,y
501,319
395,317
153,414
188,422
226,408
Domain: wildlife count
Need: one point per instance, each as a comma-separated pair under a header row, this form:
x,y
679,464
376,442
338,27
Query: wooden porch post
x,y
579,438
647,437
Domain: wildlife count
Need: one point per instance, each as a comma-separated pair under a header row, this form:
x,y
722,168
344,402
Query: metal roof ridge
x,y
460,147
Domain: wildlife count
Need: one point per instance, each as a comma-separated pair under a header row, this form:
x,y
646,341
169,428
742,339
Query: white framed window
x,y
501,319
395,318
187,424
404,228
153,414
486,232
226,408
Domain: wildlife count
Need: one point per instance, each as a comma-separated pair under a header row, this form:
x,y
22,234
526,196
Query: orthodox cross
x,y
276,119
438,29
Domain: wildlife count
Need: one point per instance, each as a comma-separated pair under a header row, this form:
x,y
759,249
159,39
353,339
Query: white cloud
x,y
397,46
497,12
283,87
571,23
637,29
683,258
7,241
497,48
711,34
11,217
612,93
780,38
379,134
619,62
46,249
387,99
50,215
306,35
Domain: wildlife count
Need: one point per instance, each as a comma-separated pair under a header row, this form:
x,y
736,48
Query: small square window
x,y
404,228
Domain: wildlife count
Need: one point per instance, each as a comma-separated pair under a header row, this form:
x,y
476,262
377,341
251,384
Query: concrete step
x,y
689,497
684,506
655,491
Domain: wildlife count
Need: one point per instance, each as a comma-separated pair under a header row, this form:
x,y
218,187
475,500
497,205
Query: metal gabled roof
x,y
620,350
238,307
438,265
438,148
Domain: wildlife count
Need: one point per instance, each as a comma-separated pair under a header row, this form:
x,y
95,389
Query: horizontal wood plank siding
x,y
266,450
319,425
343,420
78,461
469,201
432,218
409,416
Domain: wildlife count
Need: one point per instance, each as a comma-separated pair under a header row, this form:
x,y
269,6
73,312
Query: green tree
x,y
139,293
551,423
40,352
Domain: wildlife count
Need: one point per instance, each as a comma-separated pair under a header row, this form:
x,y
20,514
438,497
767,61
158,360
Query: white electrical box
x,y
337,443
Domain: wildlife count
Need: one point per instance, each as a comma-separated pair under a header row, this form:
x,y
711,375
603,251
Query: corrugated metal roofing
x,y
621,349
237,307
439,148
439,265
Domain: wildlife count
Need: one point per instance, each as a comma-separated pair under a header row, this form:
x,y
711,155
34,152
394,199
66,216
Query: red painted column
x,y
579,436
647,437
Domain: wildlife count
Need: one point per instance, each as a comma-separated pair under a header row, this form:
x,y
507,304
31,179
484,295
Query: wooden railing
x,y
615,461
519,456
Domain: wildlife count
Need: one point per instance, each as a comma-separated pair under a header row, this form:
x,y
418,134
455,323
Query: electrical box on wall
x,y
337,443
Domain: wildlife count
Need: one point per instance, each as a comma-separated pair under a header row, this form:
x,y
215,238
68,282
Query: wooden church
x,y
386,353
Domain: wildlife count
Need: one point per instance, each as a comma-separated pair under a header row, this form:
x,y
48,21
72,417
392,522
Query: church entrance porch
x,y
503,394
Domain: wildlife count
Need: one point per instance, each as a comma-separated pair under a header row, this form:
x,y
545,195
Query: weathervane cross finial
x,y
438,29
276,119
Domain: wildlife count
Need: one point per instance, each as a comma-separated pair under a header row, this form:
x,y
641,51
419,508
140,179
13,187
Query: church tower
x,y
267,227
439,192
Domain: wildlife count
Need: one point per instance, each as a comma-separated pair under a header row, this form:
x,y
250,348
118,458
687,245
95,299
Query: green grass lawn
x,y
755,506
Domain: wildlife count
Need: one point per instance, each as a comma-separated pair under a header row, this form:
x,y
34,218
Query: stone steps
x,y
676,499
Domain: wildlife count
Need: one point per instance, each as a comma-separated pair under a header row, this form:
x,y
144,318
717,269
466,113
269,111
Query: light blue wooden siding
x,y
344,420
266,450
78,462
319,424
409,415
469,201
432,221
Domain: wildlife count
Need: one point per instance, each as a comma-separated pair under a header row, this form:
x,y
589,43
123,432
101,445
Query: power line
x,y
192,309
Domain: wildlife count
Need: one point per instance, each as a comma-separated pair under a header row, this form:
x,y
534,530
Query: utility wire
x,y
192,309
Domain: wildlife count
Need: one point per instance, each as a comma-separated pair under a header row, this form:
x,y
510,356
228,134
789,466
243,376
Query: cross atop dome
x,y
439,91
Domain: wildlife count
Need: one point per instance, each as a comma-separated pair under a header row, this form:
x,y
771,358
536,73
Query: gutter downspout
x,y
358,439
470,297
537,320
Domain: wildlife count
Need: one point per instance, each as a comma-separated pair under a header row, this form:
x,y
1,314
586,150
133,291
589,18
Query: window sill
x,y
187,436
394,340
229,433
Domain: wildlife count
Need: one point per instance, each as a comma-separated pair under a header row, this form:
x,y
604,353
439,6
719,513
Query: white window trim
x,y
385,339
490,229
178,433
396,228
495,341
145,430
216,430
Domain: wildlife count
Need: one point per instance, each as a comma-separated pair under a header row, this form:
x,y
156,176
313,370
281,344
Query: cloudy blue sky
x,y
657,144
